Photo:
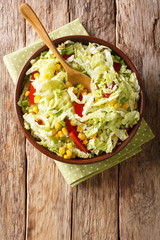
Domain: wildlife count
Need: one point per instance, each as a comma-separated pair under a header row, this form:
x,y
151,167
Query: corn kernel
x,y
57,67
69,145
35,109
112,102
65,131
62,150
75,90
94,135
53,131
135,105
116,105
61,134
65,156
79,129
27,93
69,84
58,126
81,136
72,123
37,99
125,106
57,136
85,141
69,153
84,92
36,75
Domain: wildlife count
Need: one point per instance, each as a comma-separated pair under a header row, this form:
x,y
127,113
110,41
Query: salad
x,y
67,119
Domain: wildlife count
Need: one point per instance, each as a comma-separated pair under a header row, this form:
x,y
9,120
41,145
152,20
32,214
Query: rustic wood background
x,y
121,203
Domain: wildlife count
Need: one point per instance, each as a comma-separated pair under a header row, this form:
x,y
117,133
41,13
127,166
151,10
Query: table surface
x,y
120,203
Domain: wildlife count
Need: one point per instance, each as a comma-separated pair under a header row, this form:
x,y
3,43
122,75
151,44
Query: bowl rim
x,y
19,86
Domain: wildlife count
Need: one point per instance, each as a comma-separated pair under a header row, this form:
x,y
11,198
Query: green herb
x,y
69,53
43,54
79,85
123,100
85,72
63,51
55,140
58,113
30,77
92,155
78,94
62,123
122,62
27,78
27,108
69,50
25,102
118,58
73,143
122,126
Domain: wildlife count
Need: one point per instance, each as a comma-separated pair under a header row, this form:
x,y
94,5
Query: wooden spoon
x,y
74,76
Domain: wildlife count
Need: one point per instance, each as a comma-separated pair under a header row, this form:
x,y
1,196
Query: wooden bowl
x,y
19,87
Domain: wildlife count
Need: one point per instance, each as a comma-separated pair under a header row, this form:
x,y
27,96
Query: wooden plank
x,y
95,207
95,202
138,29
12,141
49,196
98,17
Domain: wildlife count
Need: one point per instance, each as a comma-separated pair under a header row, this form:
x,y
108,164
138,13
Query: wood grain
x,y
138,30
49,199
95,202
49,196
12,142
98,17
93,209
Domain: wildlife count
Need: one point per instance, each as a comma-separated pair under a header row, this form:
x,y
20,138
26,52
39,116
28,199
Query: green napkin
x,y
74,174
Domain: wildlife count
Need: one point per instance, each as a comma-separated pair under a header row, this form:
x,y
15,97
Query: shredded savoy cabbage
x,y
108,113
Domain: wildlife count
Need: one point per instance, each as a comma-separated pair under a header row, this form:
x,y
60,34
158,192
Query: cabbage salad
x,y
67,119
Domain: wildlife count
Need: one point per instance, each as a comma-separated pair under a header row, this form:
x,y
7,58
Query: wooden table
x,y
121,203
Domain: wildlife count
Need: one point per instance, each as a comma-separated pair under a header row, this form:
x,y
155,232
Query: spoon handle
x,y
32,18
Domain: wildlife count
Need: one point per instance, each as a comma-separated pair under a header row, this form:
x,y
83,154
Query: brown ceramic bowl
x,y
19,86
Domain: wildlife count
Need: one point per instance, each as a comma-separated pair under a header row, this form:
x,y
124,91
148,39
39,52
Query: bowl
x,y
19,87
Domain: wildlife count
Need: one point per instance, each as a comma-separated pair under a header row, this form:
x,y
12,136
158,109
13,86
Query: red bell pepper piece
x,y
32,90
128,128
78,143
65,56
116,66
80,97
106,95
39,121
71,128
78,108
31,96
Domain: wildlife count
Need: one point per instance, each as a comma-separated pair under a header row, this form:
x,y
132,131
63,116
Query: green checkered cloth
x,y
74,174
